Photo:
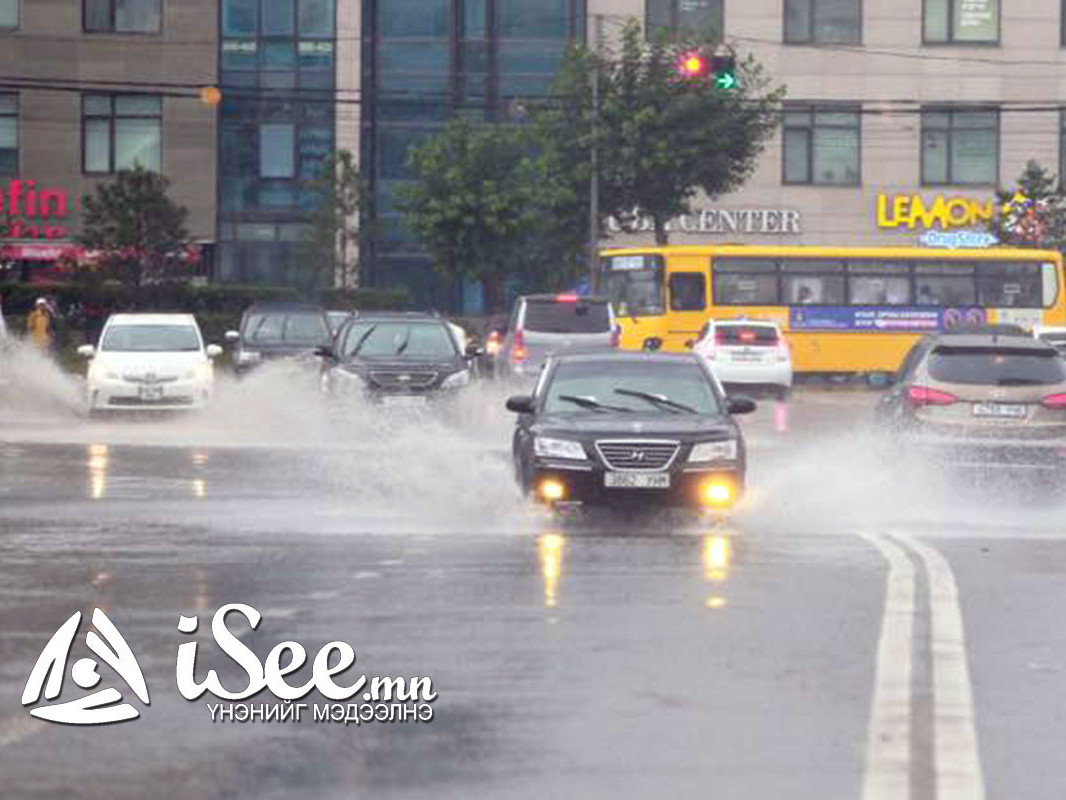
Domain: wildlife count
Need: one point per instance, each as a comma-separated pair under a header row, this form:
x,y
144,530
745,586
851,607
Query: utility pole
x,y
594,178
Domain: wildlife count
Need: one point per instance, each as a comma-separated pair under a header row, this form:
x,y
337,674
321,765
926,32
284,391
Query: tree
x,y
1033,214
136,231
331,243
478,202
661,137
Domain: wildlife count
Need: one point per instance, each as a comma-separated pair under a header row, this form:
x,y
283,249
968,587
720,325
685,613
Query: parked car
x,y
611,428
397,359
543,323
748,354
979,401
152,362
271,331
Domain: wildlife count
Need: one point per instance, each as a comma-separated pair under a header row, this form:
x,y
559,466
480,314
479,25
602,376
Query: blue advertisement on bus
x,y
902,319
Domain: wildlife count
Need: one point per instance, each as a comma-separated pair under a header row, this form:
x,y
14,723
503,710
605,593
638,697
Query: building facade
x,y
86,89
902,117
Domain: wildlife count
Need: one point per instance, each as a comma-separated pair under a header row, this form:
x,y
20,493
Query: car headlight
x,y
457,380
558,448
714,451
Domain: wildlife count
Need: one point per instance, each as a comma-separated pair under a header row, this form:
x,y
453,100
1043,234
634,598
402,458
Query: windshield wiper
x,y
590,403
404,343
362,341
657,399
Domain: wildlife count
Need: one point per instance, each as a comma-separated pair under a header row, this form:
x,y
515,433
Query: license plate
x,y
637,480
747,354
150,393
404,401
1010,410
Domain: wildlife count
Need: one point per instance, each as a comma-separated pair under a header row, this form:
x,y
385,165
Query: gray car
x,y
545,323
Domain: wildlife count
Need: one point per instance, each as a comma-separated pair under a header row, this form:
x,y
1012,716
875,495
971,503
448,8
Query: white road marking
x,y
888,744
956,758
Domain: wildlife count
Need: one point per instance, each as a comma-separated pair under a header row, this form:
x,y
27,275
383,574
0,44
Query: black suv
x,y
612,428
270,331
396,358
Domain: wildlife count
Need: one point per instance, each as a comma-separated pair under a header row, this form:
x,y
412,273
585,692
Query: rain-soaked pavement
x,y
851,632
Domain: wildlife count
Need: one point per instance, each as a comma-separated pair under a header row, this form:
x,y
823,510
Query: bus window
x,y
1010,285
804,290
688,291
1051,284
635,292
745,290
945,290
879,290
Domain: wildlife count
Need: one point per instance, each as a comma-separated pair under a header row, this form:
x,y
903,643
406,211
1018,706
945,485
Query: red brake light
x,y
747,336
518,353
1056,401
566,298
782,349
924,396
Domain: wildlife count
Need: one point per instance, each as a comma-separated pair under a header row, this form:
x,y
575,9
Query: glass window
x,y
961,21
279,17
688,291
122,16
960,146
9,134
684,15
562,316
316,55
9,13
315,144
821,146
239,54
636,292
544,19
415,18
991,366
394,145
474,19
823,21
738,289
240,17
879,290
278,55
121,131
317,18
682,382
277,147
1009,285
805,290
945,290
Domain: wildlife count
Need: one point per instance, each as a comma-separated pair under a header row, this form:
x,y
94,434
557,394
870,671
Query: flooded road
x,y
851,632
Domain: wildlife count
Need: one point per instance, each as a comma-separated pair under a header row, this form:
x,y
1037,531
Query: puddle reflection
x,y
550,547
98,462
716,555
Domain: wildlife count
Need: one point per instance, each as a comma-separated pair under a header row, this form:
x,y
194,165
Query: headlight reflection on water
x,y
98,461
550,548
716,555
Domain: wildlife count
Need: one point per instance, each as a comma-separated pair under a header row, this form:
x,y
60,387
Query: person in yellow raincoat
x,y
39,325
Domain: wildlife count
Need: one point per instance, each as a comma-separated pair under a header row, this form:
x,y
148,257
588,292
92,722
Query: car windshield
x,y
991,366
300,328
399,340
336,320
566,316
667,387
151,339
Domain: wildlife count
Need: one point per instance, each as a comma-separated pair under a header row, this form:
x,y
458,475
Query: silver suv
x,y
544,323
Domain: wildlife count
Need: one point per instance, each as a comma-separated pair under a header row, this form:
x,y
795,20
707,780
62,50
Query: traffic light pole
x,y
594,178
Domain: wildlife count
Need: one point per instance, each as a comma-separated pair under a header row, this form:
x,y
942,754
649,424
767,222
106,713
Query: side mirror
x,y
473,351
520,404
739,405
86,351
213,351
233,336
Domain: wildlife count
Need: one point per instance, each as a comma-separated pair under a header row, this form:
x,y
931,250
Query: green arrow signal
x,y
725,80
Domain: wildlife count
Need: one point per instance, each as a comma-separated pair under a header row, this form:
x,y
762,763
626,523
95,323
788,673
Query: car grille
x,y
182,400
402,380
149,377
638,454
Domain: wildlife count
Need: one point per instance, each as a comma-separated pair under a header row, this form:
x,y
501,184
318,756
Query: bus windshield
x,y
635,292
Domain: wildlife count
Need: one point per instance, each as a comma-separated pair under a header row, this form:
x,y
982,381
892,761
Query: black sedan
x,y
614,428
273,331
397,359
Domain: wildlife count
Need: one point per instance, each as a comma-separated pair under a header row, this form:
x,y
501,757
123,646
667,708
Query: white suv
x,y
747,354
152,362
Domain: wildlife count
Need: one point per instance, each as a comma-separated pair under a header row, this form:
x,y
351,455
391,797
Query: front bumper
x,y
690,486
120,395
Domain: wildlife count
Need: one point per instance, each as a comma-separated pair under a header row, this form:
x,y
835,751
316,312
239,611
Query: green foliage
x,y
134,226
330,252
385,299
1037,221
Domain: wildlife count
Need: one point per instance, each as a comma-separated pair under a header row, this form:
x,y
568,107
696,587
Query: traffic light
x,y
721,69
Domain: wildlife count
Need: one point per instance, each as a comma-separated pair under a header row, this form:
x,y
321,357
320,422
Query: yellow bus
x,y
844,309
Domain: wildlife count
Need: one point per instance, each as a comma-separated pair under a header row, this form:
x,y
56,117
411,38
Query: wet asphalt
x,y
621,658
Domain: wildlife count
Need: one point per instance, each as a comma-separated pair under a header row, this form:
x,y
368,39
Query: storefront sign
x,y
744,221
906,319
41,252
29,212
956,239
913,211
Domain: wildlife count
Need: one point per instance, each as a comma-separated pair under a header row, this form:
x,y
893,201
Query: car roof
x,y
281,306
1010,342
150,319
742,321
563,297
612,355
424,316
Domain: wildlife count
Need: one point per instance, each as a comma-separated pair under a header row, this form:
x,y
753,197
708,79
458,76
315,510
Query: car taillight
x,y
492,346
518,353
747,336
616,336
566,298
924,396
1056,401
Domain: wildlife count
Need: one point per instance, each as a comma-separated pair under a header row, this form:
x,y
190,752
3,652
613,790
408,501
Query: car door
x,y
891,408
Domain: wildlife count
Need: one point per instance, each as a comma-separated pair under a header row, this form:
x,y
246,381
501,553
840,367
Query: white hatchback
x,y
747,354
154,362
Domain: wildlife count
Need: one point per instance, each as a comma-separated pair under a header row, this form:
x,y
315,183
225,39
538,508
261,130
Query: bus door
x,y
687,300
